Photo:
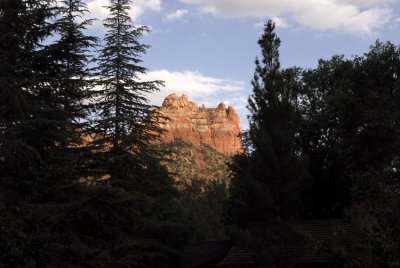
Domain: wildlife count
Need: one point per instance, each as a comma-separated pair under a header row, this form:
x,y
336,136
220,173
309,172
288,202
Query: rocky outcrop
x,y
218,127
186,162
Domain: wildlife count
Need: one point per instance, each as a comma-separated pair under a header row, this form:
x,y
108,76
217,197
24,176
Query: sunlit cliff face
x,y
218,127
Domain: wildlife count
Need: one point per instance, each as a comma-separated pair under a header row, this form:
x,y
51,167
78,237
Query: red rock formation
x,y
217,127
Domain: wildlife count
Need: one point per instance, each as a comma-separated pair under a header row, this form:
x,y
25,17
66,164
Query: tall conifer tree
x,y
23,27
44,89
124,115
69,80
132,217
266,182
23,177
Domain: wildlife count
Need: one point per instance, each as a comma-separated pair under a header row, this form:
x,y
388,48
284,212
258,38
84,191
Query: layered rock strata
x,y
218,127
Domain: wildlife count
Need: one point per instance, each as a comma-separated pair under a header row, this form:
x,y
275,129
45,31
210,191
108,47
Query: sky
x,y
206,49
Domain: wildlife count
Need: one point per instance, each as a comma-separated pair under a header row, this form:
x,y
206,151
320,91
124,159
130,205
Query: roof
x,y
318,235
237,256
203,254
315,233
217,254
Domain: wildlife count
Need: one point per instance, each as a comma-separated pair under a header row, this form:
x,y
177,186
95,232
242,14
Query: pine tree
x,y
70,58
124,115
132,217
266,182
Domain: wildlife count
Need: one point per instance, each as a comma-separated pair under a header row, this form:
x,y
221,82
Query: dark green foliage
x,y
69,57
135,222
325,104
203,200
187,161
266,182
38,165
374,155
124,117
50,219
343,118
22,28
134,219
350,134
201,175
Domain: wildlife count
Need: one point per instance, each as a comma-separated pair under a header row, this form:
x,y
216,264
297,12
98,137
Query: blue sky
x,y
206,48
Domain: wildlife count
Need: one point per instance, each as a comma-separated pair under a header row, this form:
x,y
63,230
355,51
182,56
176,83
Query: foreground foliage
x,y
323,143
128,215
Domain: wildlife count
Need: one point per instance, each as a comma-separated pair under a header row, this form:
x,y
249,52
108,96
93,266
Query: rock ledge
x,y
217,127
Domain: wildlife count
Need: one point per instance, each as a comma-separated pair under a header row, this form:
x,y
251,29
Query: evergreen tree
x,y
23,26
69,79
44,90
13,100
70,57
124,117
266,182
132,217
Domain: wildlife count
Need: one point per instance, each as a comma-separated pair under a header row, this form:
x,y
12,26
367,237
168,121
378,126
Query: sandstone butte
x,y
218,127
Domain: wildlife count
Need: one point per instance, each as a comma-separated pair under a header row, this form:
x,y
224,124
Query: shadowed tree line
x,y
323,143
52,95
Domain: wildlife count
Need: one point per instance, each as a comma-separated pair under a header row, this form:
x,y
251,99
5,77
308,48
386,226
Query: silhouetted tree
x,y
266,182
325,104
124,117
133,217
372,143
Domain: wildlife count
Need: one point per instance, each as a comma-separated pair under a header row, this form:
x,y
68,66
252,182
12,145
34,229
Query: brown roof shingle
x,y
315,233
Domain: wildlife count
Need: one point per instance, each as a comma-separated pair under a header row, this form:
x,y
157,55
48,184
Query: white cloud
x,y
177,15
355,16
279,22
98,10
192,83
345,18
202,89
366,3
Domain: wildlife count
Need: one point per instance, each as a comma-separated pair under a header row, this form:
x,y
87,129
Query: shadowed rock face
x,y
218,127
